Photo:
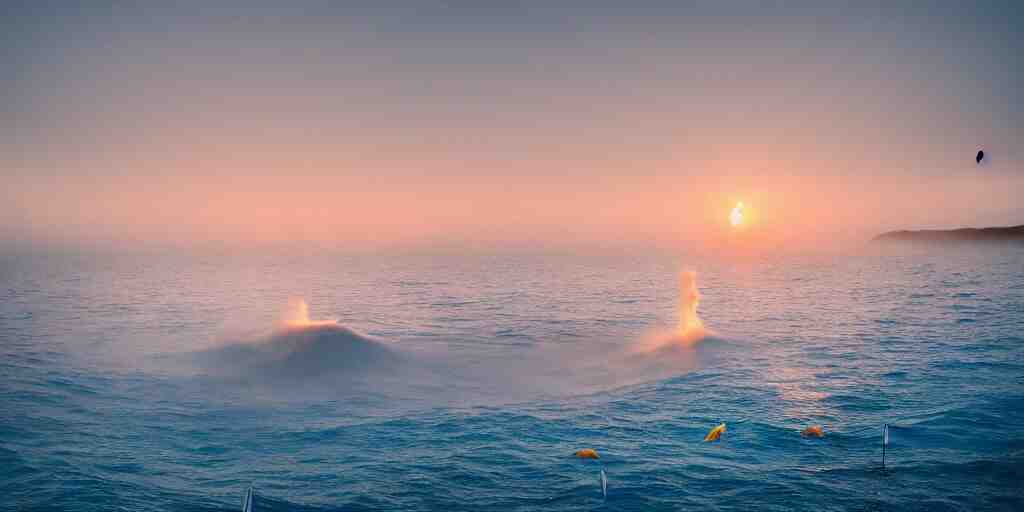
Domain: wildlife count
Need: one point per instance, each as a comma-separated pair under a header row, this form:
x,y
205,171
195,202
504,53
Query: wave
x,y
300,352
305,353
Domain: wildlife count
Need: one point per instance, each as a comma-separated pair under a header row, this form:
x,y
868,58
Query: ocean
x,y
449,381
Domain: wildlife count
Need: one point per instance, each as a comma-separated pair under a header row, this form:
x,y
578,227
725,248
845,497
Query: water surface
x,y
119,389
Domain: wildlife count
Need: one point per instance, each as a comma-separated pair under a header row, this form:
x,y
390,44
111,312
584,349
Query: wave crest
x,y
301,351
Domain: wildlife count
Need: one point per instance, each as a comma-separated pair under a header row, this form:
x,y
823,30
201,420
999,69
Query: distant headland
x,y
1001,234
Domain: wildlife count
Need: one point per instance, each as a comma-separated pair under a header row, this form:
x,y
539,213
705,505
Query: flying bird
x,y
979,157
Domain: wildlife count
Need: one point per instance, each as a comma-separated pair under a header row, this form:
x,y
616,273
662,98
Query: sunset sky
x,y
437,123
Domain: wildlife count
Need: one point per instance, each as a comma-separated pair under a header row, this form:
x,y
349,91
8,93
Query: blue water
x,y
158,382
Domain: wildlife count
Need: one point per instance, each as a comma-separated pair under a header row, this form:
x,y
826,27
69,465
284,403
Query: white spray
x,y
296,314
690,329
689,297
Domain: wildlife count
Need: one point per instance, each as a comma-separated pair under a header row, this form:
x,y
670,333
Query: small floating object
x,y
604,484
715,433
885,442
586,453
980,156
813,431
247,500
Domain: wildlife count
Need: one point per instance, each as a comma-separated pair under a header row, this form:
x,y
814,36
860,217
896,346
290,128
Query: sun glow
x,y
736,215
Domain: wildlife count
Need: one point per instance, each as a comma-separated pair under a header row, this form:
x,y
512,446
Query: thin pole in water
x,y
247,500
885,441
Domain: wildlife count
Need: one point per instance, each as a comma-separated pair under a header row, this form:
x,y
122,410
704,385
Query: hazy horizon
x,y
519,126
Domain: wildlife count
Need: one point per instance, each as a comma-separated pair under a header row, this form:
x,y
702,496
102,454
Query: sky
x,y
547,123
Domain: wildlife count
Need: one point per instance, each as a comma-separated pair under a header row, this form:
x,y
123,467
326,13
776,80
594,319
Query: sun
x,y
736,215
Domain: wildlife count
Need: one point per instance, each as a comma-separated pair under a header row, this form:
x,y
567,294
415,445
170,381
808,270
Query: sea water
x,y
454,381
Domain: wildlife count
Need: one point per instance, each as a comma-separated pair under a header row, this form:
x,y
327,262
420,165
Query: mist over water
x,y
406,382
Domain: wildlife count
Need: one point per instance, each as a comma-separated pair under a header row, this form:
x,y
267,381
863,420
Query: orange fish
x,y
813,431
586,453
715,433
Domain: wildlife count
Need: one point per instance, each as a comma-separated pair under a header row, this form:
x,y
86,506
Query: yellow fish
x,y
715,433
813,431
586,453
